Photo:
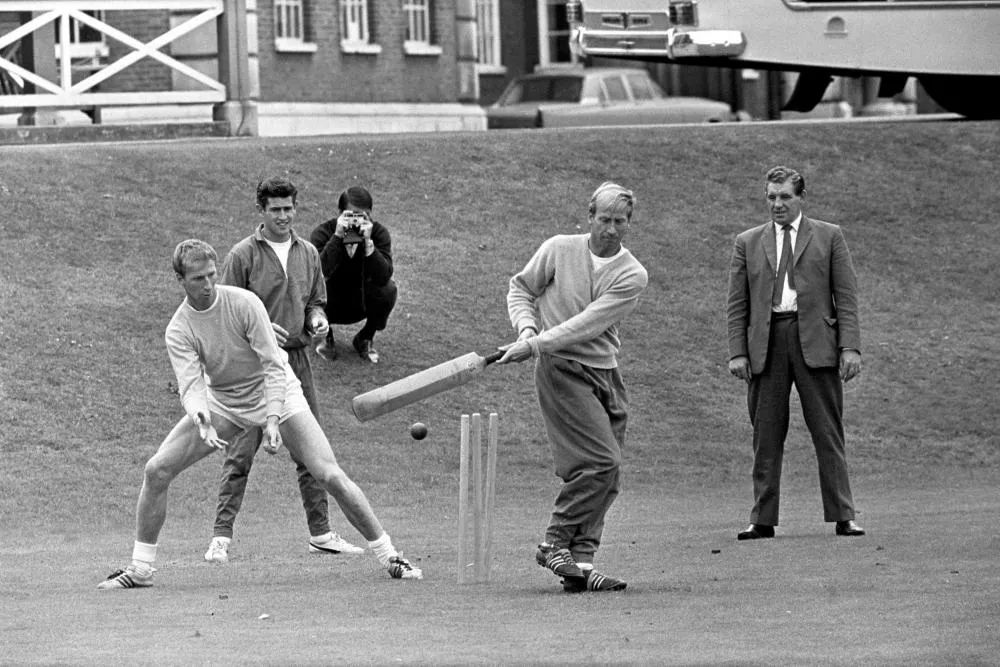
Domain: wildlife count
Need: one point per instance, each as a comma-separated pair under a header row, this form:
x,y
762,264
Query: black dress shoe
x,y
364,348
849,528
755,532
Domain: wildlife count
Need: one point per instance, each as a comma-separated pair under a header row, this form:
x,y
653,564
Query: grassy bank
x,y
87,290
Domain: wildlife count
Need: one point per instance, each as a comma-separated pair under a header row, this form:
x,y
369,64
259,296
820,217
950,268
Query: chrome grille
x,y
613,20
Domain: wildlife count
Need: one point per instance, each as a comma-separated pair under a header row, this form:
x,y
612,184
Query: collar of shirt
x,y
795,225
258,234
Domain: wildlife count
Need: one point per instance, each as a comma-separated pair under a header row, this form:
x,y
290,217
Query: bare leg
x,y
306,440
181,449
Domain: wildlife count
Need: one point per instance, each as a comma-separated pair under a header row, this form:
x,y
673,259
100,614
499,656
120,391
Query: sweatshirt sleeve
x,y
526,286
189,372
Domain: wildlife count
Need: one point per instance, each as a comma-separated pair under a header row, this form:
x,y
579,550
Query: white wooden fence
x,y
63,92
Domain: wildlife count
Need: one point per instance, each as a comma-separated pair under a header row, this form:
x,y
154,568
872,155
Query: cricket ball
x,y
418,431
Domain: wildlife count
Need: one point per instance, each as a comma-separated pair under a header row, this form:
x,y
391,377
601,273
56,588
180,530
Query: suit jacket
x,y
825,283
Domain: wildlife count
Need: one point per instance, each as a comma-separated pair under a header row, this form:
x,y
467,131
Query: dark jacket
x,y
351,282
826,286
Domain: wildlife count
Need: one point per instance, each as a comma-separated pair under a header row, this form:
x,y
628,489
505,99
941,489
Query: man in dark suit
x,y
793,319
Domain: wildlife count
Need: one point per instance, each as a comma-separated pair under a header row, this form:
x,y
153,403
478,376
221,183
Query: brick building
x,y
351,66
311,66
365,66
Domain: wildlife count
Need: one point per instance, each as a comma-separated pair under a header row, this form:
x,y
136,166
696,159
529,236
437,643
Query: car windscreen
x,y
545,89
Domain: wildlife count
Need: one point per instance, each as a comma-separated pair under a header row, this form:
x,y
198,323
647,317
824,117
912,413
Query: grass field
x,y
85,384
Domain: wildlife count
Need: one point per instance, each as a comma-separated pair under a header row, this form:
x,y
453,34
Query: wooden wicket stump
x,y
476,497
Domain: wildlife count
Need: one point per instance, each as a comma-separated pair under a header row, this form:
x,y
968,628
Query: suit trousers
x,y
821,395
585,413
239,460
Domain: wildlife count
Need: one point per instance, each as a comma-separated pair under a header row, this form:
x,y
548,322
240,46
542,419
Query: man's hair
x,y
781,174
191,250
610,195
276,187
356,196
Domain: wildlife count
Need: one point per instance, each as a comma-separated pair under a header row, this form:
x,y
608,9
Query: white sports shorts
x,y
295,402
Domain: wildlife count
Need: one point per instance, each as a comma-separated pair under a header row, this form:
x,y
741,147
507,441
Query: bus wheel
x,y
971,96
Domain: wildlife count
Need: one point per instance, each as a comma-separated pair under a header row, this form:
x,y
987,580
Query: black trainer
x,y
559,561
592,581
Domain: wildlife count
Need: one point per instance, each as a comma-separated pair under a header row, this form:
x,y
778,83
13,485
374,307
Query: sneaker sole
x,y
316,549
124,582
123,588
576,588
408,575
582,588
581,585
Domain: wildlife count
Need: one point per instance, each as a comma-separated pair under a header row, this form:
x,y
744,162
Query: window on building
x,y
290,26
488,34
87,45
355,28
419,35
418,21
81,33
289,22
554,33
354,20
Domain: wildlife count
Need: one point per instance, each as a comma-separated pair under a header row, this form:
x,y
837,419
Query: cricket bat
x,y
421,385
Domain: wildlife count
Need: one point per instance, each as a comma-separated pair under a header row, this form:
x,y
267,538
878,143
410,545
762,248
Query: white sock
x,y
320,539
586,567
143,556
223,539
383,549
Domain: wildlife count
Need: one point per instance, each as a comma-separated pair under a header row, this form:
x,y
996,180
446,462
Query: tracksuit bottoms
x,y
239,461
585,413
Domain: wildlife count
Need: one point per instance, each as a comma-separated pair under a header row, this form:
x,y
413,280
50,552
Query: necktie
x,y
784,267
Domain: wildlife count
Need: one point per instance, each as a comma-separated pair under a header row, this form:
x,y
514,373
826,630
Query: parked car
x,y
576,97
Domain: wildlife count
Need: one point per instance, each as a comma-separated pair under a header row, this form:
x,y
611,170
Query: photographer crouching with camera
x,y
356,256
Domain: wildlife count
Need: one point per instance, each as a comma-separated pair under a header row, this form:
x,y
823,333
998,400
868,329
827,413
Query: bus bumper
x,y
675,44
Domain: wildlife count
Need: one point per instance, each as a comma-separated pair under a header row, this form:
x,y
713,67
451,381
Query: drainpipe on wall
x,y
467,55
239,109
38,50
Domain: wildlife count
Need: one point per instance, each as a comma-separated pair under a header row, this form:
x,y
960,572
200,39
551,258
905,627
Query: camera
x,y
353,232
